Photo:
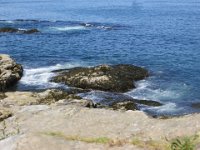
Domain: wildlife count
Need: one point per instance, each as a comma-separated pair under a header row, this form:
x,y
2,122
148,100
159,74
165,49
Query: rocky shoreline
x,y
63,119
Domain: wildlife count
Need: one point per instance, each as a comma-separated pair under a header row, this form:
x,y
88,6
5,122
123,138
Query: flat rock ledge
x,y
117,78
56,119
10,72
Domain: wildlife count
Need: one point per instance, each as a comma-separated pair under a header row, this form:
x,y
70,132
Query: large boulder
x,y
10,72
118,78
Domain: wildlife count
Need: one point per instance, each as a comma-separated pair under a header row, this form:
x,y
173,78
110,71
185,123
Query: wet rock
x,y
10,72
8,29
106,98
148,102
31,31
110,98
127,105
118,78
133,104
196,105
14,30
76,90
4,114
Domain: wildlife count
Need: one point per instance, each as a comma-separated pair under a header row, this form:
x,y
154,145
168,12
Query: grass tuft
x,y
185,143
100,140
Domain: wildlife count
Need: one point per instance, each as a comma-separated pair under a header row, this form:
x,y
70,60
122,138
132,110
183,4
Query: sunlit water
x,y
162,36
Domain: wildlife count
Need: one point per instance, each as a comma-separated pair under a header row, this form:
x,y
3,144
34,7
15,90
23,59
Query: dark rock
x,y
106,98
148,102
14,30
31,31
2,95
27,20
8,29
76,90
118,78
117,100
196,105
10,72
126,105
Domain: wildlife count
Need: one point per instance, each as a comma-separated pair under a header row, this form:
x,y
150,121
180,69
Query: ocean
x,y
160,35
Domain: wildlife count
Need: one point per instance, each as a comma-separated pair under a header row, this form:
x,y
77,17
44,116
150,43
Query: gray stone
x,y
10,72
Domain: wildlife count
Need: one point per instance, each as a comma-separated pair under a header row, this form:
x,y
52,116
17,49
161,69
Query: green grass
x,y
151,144
100,140
180,143
185,143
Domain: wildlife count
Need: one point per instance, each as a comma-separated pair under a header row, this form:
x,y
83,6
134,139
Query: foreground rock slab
x,y
118,78
10,72
73,127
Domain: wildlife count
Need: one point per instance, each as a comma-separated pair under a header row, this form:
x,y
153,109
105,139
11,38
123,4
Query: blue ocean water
x,y
160,35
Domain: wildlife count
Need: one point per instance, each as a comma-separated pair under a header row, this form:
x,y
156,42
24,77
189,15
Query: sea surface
x,y
160,35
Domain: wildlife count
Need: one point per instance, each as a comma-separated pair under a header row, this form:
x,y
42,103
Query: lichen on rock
x,y
117,78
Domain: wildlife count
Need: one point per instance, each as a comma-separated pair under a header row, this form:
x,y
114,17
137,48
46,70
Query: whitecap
x,y
69,28
39,77
104,27
169,108
147,89
7,21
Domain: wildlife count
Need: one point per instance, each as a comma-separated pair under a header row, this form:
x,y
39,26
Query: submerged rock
x,y
14,30
31,31
10,72
106,98
118,100
196,105
148,102
118,78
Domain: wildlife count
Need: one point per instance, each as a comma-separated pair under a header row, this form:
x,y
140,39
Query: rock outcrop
x,y
10,72
118,78
14,30
4,113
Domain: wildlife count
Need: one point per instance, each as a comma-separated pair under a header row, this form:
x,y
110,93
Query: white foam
x,y
167,108
9,21
40,77
69,28
146,89
104,27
